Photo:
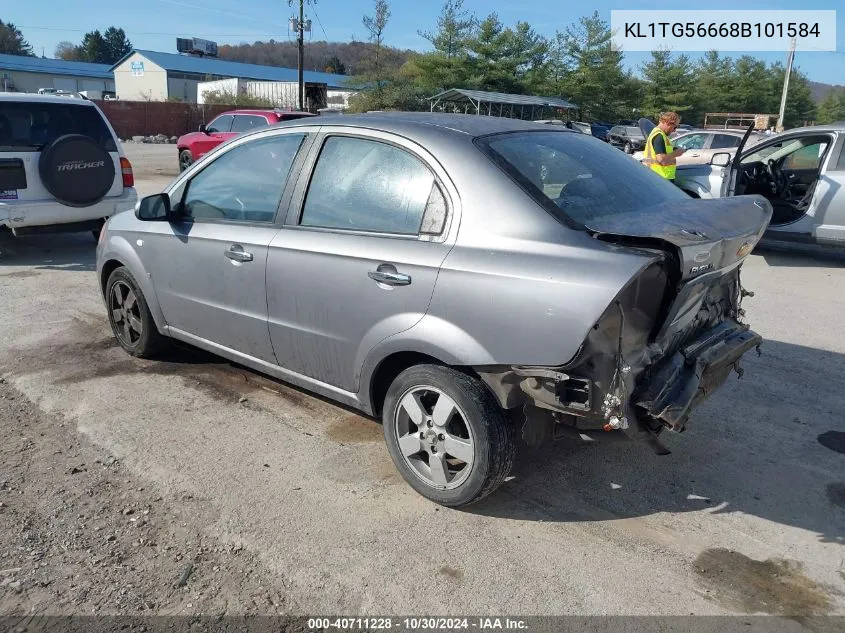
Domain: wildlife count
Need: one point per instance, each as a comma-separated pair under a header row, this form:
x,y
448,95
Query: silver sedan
x,y
465,278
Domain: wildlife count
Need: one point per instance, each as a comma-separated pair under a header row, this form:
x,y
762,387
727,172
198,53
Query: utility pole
x,y
301,26
789,61
301,63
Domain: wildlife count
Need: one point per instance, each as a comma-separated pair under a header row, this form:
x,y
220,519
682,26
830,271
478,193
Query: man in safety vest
x,y
659,153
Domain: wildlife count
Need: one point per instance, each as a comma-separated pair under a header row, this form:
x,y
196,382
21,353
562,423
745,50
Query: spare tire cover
x,y
76,170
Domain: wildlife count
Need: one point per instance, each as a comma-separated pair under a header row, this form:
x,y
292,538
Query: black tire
x,y
186,159
629,148
491,435
148,342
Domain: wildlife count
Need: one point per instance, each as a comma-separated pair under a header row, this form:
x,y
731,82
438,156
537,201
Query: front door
x,y
209,268
216,133
358,259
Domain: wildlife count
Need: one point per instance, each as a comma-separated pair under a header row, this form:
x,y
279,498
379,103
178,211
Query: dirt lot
x,y
119,475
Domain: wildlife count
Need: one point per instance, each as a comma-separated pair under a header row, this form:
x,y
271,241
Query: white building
x,y
150,76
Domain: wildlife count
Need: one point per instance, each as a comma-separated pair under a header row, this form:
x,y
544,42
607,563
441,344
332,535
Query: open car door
x,y
729,184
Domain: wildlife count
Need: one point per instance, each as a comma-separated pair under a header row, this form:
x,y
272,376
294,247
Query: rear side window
x,y
722,141
30,126
367,185
247,122
577,177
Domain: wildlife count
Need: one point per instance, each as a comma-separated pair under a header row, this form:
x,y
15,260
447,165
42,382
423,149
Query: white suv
x,y
61,166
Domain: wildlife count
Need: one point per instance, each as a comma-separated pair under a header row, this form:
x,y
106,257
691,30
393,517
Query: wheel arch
x,y
457,349
120,253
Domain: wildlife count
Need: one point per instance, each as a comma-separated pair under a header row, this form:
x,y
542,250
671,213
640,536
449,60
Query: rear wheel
x,y
186,159
130,318
447,435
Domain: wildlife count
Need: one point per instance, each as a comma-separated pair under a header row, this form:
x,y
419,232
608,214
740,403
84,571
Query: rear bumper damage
x,y
644,366
678,384
552,403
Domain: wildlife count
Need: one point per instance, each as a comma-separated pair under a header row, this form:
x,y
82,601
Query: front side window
x,y
691,141
366,185
248,122
244,184
582,179
222,123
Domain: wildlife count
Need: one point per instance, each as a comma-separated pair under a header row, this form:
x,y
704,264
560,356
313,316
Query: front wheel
x,y
186,159
629,148
447,435
129,316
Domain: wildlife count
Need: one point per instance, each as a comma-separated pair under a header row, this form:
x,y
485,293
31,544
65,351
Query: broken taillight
x,y
126,170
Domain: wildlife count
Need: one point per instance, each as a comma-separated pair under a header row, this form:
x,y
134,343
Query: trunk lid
x,y
705,235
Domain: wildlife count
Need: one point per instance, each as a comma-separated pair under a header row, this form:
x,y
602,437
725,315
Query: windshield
x,y
29,126
578,176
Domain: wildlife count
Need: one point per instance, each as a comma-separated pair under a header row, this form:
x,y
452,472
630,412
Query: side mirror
x,y
203,129
722,159
155,208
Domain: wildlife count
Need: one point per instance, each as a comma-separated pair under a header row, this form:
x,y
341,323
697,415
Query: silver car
x,y
802,174
465,278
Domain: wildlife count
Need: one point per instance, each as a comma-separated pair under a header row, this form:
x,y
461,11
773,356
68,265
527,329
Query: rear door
x,y
694,145
27,127
359,255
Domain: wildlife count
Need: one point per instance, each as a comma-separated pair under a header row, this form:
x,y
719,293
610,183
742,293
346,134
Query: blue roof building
x,y
153,76
29,74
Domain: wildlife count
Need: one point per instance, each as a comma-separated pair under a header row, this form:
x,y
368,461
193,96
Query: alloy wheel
x,y
434,439
125,313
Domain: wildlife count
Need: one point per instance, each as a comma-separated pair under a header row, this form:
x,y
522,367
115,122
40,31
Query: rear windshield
x,y
28,126
576,176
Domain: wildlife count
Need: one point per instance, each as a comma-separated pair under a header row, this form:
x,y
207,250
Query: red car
x,y
195,145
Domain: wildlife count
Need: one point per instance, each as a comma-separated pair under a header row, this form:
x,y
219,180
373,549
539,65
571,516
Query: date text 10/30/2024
x,y
417,624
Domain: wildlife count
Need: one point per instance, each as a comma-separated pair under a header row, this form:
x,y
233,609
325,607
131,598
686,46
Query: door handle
x,y
389,278
695,155
237,253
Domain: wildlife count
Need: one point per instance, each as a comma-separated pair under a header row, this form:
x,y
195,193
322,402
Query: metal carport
x,y
513,106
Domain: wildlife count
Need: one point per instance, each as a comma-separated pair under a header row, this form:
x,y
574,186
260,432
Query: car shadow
x,y
75,252
785,254
770,445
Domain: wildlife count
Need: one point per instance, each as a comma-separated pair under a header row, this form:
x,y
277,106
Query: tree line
x,y
577,63
580,65
107,47
100,48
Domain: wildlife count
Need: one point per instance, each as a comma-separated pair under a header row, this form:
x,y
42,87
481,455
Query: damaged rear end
x,y
669,338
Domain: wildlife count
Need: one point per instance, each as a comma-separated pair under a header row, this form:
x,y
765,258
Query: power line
x,y
134,33
314,7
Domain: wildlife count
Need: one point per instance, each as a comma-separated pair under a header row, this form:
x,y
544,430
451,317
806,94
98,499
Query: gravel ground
x,y
83,535
287,503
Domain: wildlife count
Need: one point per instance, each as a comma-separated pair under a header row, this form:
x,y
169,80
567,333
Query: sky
x,y
155,24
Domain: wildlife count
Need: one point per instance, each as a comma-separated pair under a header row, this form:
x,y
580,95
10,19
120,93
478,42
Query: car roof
x,y
26,97
419,125
261,112
839,126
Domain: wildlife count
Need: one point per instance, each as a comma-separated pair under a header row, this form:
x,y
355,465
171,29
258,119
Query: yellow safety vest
x,y
667,171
